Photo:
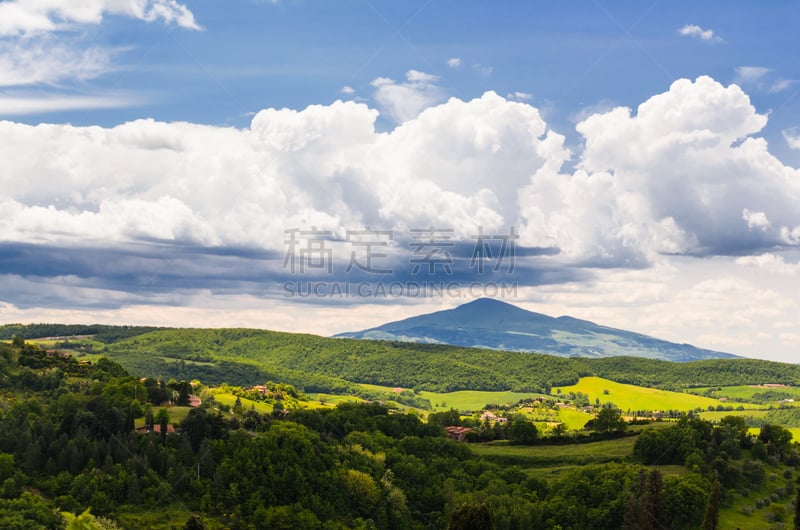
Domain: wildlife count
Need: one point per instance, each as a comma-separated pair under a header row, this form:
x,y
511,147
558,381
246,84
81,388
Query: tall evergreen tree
x,y
711,518
657,502
646,505
797,511
635,508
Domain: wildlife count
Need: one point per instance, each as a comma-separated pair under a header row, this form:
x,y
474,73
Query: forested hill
x,y
99,332
71,456
247,356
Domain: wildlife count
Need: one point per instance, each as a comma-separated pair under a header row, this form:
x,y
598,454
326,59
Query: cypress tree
x,y
711,518
797,511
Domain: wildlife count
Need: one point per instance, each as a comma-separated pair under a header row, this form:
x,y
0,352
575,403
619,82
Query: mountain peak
x,y
495,324
484,304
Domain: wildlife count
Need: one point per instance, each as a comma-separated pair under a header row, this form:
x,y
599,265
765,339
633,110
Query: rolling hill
x,y
341,366
492,324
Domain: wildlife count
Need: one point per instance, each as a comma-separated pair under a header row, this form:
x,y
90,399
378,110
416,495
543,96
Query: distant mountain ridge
x,y
493,324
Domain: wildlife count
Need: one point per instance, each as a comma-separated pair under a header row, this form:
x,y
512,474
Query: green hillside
x,y
318,364
323,364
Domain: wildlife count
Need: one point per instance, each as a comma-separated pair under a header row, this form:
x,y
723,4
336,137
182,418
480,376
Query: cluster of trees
x,y
697,443
787,416
518,429
725,455
67,445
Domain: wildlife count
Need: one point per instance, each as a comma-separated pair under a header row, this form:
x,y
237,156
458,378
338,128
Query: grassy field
x,y
745,392
472,400
574,419
159,517
228,399
320,400
84,342
558,455
176,414
717,415
639,398
463,400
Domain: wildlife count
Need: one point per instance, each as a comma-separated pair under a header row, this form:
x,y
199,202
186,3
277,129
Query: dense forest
x,y
69,453
247,357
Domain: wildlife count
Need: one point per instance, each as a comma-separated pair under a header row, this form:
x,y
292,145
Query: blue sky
x,y
568,56
152,174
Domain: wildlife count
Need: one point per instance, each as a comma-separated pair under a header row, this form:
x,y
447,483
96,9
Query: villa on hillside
x,y
489,415
458,434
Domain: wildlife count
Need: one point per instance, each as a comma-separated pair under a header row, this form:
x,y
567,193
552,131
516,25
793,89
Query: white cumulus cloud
x,y
405,101
520,96
674,177
792,137
755,220
324,166
684,174
770,263
693,30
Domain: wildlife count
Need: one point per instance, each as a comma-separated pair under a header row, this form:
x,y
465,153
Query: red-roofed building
x,y
458,434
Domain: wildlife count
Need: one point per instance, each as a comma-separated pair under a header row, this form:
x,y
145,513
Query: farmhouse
x,y
489,415
458,434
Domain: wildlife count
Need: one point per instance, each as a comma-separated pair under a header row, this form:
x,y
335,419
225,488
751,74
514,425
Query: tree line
x,y
67,445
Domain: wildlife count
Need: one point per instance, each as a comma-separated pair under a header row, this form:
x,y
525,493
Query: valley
x,y
544,424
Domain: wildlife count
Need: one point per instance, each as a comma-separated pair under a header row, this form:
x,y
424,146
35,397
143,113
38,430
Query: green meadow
x,y
574,419
746,392
462,400
716,415
319,400
229,400
615,450
473,400
176,414
630,397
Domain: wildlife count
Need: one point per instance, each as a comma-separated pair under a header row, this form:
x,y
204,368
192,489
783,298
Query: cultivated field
x,y
633,397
